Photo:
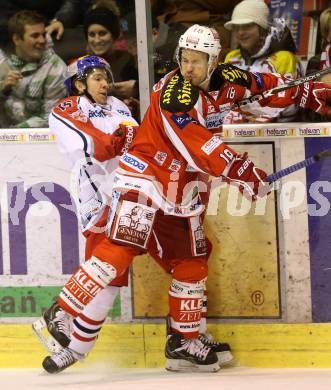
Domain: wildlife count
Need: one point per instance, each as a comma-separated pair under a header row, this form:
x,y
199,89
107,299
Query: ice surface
x,y
99,378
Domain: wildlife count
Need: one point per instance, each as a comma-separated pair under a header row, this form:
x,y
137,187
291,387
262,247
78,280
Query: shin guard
x,y
186,302
87,325
90,278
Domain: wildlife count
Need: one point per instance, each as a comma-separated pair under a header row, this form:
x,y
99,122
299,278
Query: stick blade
x,y
324,154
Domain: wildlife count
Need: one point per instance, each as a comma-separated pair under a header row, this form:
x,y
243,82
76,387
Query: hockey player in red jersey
x,y
80,125
156,198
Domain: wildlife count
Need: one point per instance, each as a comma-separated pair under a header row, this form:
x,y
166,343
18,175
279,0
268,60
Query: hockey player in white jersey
x,y
92,130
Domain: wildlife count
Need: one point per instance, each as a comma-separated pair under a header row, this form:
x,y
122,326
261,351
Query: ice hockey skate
x,y
53,328
223,350
189,355
61,360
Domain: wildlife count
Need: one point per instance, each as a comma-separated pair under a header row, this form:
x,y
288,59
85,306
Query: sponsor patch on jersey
x,y
211,144
123,112
160,157
99,113
134,162
224,107
189,168
259,80
133,224
181,120
178,95
214,121
174,165
79,116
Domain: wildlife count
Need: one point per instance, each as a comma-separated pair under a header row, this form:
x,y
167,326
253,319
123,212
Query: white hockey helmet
x,y
201,38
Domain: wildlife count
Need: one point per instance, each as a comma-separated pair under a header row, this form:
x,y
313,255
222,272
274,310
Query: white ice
x,y
99,378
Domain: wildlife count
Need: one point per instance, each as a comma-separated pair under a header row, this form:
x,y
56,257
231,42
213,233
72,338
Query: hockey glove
x,y
314,95
127,133
249,179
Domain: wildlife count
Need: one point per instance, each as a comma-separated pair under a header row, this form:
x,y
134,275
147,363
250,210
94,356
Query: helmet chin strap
x,y
210,71
87,94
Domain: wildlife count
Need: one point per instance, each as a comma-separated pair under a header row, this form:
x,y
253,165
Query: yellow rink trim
x,y
141,345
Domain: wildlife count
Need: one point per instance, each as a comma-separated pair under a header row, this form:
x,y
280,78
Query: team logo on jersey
x,y
79,116
175,165
160,157
181,120
134,162
211,109
211,144
66,104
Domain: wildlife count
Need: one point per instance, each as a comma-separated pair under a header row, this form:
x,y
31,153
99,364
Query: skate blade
x,y
40,329
226,358
181,365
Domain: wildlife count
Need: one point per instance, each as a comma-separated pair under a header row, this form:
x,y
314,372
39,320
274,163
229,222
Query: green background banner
x,y
31,301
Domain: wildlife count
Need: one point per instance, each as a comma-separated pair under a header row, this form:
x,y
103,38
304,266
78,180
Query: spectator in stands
x,y
64,19
102,28
263,47
189,12
72,13
31,76
320,61
323,60
59,16
165,40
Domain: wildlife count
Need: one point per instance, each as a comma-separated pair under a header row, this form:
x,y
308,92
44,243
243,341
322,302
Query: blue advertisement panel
x,y
291,11
319,218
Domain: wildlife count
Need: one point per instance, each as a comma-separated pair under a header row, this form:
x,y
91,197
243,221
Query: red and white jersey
x,y
85,135
173,151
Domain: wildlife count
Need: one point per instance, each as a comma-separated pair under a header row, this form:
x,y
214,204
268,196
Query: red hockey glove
x,y
314,95
249,178
127,133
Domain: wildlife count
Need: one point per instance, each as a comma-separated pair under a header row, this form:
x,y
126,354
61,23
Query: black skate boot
x,y
189,355
222,350
61,360
58,323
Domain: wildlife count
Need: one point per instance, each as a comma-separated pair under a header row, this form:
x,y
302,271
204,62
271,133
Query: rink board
x,y
241,283
271,266
142,345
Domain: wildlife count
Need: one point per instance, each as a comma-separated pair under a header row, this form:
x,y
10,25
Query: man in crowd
x,y
31,78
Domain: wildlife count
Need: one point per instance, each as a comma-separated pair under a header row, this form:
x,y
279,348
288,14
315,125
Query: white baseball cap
x,y
249,11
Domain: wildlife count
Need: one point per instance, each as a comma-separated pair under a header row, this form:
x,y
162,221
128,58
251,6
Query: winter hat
x,y
249,11
105,17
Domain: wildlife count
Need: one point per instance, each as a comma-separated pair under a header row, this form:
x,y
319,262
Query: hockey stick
x,y
302,164
279,88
